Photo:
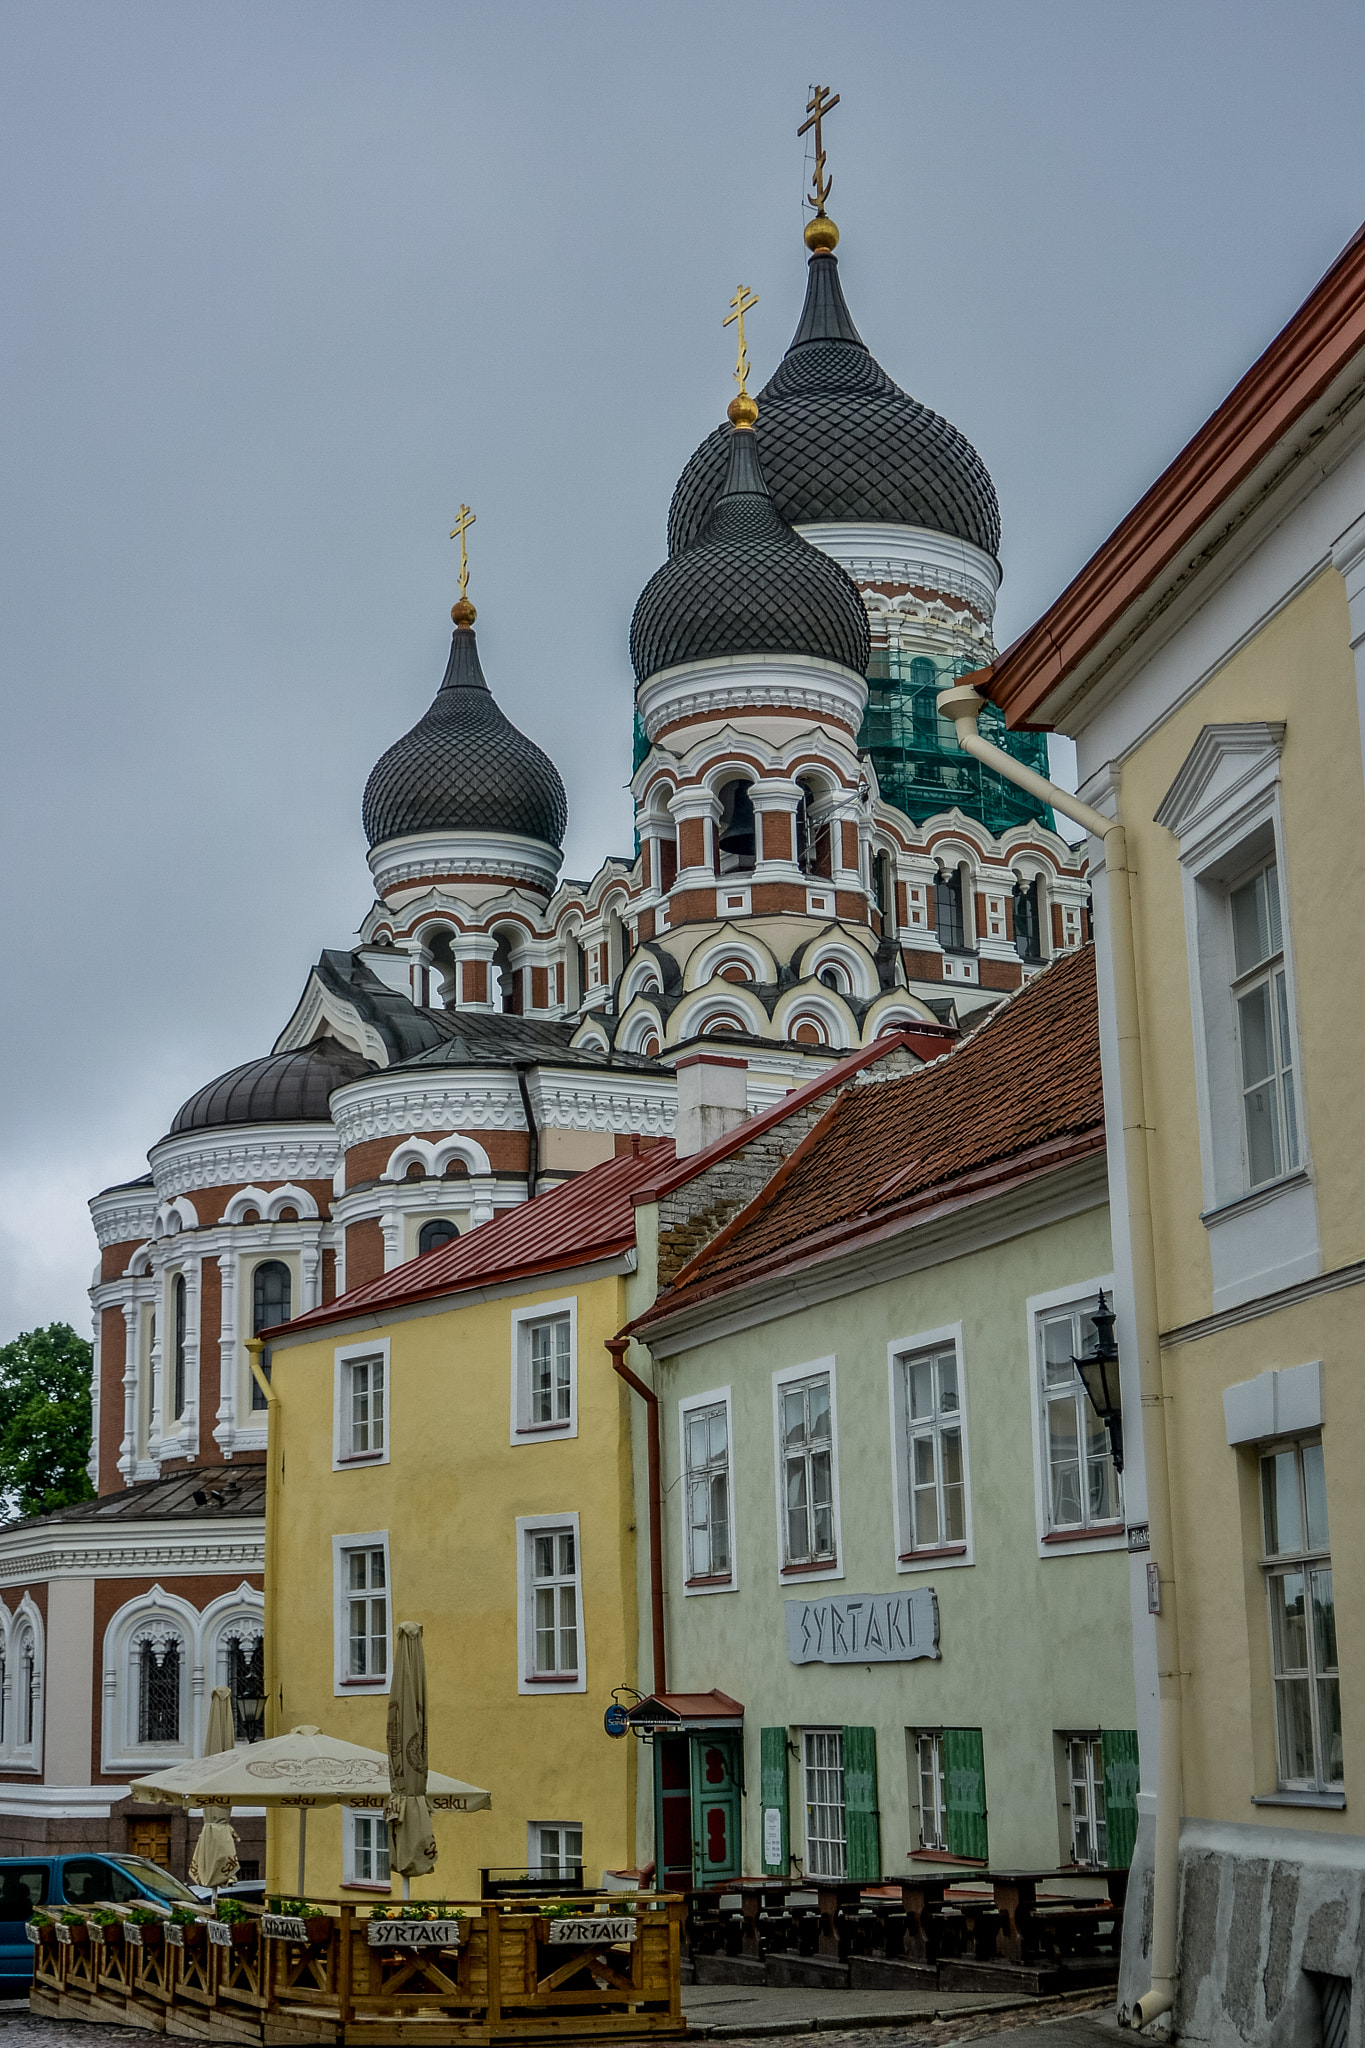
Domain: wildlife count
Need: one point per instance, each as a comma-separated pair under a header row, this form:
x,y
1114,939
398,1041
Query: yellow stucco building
x,y
1210,663
475,1477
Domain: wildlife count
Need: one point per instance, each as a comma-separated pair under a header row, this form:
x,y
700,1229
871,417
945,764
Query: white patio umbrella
x,y
412,1842
303,1768
214,1861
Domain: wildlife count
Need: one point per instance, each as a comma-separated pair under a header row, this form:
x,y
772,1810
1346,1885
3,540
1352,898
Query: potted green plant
x,y
100,1922
317,1926
71,1929
142,1927
41,1930
233,1915
185,1929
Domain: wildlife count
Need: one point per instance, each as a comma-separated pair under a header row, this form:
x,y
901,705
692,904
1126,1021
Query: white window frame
x,y
918,1737
718,1397
803,1574
947,1557
809,1736
1309,1557
1080,1543
1224,810
1092,1785
343,1685
25,1623
548,1685
523,1430
533,1856
350,1856
345,1357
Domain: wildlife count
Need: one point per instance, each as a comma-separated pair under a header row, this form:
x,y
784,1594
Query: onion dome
x,y
282,1088
840,441
744,583
464,767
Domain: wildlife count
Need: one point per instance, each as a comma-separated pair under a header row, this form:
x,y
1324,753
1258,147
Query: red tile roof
x,y
1022,1092
587,1218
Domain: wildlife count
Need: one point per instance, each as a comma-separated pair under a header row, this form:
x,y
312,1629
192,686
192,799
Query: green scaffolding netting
x,y
920,767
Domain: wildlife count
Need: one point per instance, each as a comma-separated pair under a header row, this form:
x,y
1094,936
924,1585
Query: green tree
x,y
45,1420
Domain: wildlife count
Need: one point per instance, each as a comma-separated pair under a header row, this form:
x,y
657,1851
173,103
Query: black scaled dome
x,y
282,1088
746,584
839,440
464,767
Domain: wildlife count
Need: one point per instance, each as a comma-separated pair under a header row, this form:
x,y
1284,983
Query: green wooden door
x,y
1119,1755
964,1793
772,1785
715,1808
862,1820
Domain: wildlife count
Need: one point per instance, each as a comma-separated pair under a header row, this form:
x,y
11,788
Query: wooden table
x,y
1016,1901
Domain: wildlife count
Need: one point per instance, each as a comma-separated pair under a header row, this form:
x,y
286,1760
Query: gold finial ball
x,y
822,237
463,613
741,411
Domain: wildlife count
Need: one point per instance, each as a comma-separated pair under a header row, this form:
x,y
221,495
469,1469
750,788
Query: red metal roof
x,y
587,1218
1022,1094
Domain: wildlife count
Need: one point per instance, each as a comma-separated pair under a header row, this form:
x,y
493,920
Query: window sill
x,y
932,1556
1326,1800
365,1884
817,1564
560,1678
710,1581
364,1684
1098,1532
1254,1197
363,1458
545,1428
946,1856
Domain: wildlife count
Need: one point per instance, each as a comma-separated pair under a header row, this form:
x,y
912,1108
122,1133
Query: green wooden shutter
x,y
772,1781
964,1793
862,1822
1119,1755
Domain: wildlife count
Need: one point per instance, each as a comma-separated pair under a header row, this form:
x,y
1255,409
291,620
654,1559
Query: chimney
x,y
712,1100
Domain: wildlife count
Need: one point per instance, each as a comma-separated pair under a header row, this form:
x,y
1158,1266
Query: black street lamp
x,y
251,1714
1099,1372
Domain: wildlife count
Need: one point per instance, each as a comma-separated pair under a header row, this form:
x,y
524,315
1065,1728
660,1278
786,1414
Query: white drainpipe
x,y
962,705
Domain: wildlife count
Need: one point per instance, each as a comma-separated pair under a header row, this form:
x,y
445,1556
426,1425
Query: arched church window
x,y
735,841
884,891
271,1293
416,1171
27,1660
158,1697
440,1230
1028,922
834,977
246,1681
457,1170
4,1697
948,922
178,1403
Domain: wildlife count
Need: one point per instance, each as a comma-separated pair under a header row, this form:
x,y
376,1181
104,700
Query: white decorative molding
x,y
434,1158
1225,778
123,1215
225,1159
61,1802
499,857
81,1550
883,553
570,1100
268,1207
396,1105
785,683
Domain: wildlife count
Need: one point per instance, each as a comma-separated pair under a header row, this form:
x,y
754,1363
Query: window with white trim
x,y
361,1433
1081,1488
1085,1782
929,1770
932,1460
365,1859
550,1601
826,1836
1260,989
806,1446
1303,1617
554,1848
364,1615
708,1520
544,1371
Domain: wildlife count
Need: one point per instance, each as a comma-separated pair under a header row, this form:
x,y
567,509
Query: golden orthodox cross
x,y
817,106
457,532
743,302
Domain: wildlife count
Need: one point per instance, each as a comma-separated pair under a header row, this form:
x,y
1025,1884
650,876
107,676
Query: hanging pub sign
x,y
872,1628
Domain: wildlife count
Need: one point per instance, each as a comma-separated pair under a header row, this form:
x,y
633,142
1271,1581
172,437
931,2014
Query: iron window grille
x,y
158,1715
1083,1489
935,1467
707,1436
1303,1624
808,1470
826,1838
1260,991
27,1675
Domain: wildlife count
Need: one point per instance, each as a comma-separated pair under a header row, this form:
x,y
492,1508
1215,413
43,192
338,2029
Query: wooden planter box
x,y
143,1933
231,1933
41,1937
69,1933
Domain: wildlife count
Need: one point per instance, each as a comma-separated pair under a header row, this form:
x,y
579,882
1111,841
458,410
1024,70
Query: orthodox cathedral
x,y
815,864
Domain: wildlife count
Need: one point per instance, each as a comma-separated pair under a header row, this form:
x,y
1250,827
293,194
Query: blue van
x,y
28,1882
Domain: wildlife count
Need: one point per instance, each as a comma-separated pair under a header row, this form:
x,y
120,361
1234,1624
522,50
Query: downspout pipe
x,y
963,705
532,1134
618,1347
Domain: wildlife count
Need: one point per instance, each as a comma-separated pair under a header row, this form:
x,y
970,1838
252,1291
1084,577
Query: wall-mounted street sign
x,y
616,1720
871,1628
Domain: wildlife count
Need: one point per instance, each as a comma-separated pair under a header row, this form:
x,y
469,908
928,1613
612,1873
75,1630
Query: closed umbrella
x,y
214,1861
412,1841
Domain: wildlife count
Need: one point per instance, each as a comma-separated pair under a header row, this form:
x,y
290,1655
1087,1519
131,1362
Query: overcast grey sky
x,y
285,282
